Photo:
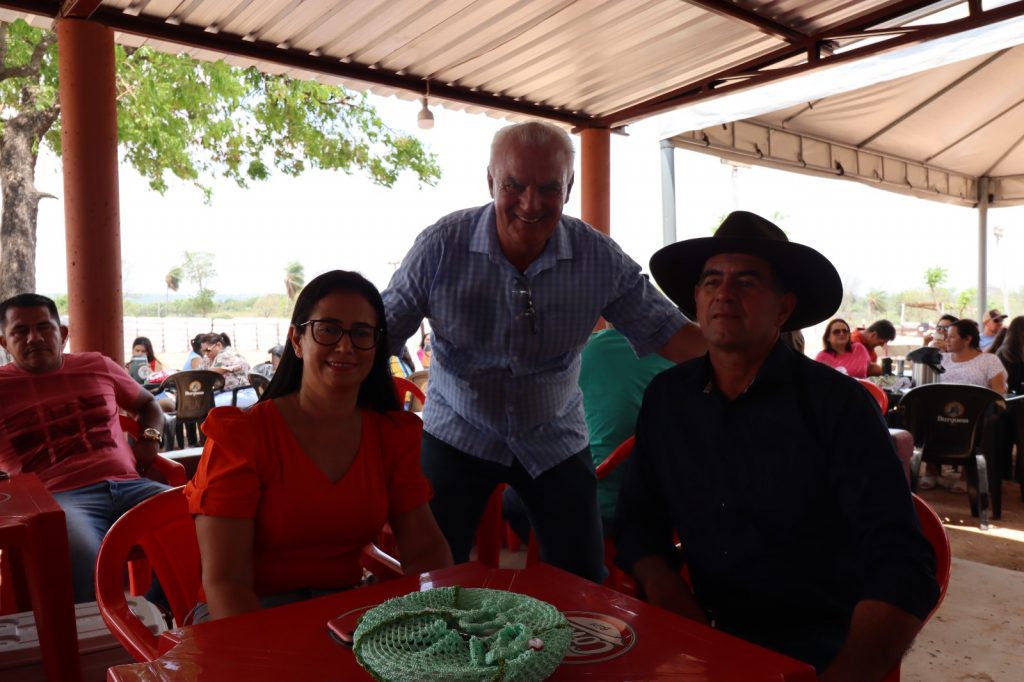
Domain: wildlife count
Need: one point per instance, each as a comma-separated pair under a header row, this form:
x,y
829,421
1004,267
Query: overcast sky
x,y
328,220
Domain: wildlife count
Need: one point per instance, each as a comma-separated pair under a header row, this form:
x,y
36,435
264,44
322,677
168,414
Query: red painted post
x,y
596,178
91,202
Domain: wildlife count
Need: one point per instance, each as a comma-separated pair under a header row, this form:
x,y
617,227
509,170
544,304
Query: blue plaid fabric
x,y
506,345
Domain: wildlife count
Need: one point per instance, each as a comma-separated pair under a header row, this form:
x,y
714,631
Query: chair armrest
x,y
173,472
613,460
382,565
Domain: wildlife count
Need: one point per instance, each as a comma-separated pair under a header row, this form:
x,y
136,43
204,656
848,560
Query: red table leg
x,y
48,571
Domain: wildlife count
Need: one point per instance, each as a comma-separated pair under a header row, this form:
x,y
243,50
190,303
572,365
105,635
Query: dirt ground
x,y
1002,545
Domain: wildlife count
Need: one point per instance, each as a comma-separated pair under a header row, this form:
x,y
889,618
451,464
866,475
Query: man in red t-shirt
x,y
59,420
878,334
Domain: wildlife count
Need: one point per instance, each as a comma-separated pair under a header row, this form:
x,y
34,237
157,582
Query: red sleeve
x,y
401,436
126,390
227,482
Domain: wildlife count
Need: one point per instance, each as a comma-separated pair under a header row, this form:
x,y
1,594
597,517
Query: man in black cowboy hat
x,y
777,473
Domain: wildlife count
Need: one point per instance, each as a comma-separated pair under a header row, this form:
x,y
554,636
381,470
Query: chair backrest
x,y
877,393
162,527
165,531
935,533
258,382
946,418
404,388
420,377
613,460
193,392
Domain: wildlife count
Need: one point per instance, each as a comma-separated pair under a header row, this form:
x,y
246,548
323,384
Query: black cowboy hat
x,y
799,268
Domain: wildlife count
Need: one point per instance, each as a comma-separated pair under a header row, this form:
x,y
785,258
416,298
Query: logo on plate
x,y
597,637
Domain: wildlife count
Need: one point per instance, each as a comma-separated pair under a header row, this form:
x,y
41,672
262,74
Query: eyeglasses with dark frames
x,y
522,288
840,330
330,332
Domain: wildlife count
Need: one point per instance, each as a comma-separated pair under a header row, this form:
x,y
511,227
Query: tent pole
x,y
982,247
668,192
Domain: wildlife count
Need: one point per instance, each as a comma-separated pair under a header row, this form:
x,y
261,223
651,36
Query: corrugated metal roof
x,y
584,62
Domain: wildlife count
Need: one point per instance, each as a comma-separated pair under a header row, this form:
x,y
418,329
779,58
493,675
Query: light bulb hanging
x,y
425,119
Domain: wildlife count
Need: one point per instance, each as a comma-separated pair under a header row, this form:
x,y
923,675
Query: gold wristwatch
x,y
150,433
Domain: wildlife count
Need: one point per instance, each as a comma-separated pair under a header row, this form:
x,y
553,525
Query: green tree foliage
x,y
965,299
198,269
270,305
61,300
933,277
186,119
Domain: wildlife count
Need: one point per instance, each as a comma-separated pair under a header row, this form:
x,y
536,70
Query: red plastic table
x,y
615,637
33,534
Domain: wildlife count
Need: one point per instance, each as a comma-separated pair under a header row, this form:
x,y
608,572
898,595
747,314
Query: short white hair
x,y
535,134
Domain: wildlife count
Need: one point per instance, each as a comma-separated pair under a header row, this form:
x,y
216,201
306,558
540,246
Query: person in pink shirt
x,y
842,354
59,420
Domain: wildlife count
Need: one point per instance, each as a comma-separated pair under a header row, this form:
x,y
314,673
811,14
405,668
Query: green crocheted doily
x,y
461,635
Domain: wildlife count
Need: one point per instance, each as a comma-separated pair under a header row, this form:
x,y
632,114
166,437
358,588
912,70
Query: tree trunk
x,y
18,152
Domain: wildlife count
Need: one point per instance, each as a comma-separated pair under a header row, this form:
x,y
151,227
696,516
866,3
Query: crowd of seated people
x,y
289,490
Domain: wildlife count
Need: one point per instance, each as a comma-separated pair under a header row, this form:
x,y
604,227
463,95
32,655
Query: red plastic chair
x,y
405,389
164,530
408,395
877,393
935,533
617,579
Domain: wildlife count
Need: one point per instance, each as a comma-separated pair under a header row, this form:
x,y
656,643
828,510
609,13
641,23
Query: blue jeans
x,y
90,511
561,504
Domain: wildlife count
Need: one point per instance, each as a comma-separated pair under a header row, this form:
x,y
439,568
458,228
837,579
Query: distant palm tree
x,y
294,279
173,280
877,302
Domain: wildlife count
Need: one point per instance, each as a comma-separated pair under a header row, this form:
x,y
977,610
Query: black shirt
x,y
790,502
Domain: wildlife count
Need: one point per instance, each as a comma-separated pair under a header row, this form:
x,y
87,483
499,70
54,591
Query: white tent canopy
x,y
951,133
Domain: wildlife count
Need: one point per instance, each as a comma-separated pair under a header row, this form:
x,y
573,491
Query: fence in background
x,y
174,334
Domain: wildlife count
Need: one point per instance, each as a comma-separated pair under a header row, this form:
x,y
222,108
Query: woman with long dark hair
x,y
143,346
842,354
1011,353
288,492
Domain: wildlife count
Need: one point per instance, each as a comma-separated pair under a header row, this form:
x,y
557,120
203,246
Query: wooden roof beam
x,y
762,24
78,9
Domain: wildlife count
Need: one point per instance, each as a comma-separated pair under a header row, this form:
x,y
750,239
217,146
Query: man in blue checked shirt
x,y
513,290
